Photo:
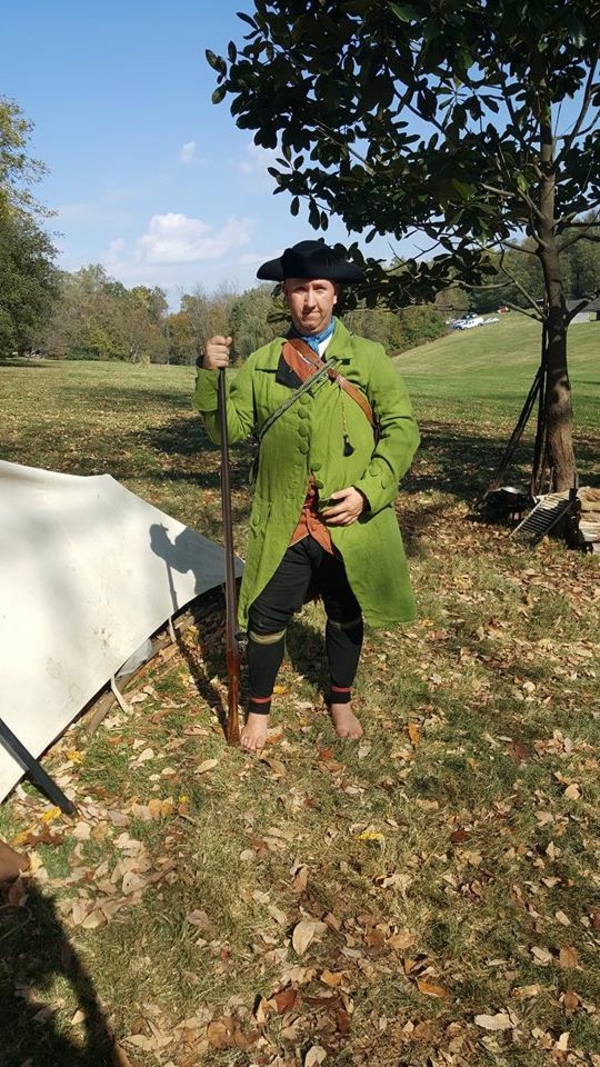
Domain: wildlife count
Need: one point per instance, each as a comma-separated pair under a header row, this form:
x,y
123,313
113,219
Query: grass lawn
x,y
494,366
427,897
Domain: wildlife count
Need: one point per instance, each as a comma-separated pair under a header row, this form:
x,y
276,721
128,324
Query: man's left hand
x,y
345,507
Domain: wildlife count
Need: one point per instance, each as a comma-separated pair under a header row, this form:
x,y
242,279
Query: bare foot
x,y
345,722
254,733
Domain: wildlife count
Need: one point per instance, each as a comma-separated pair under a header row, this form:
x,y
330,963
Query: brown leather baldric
x,y
301,358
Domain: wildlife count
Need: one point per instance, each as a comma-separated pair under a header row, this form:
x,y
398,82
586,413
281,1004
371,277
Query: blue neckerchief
x,y
314,339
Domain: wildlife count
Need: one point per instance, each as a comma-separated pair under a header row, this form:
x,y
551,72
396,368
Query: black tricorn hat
x,y
310,259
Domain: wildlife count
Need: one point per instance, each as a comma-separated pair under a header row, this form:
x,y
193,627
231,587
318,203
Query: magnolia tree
x,y
473,124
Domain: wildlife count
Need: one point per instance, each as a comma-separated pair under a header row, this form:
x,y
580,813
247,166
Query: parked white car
x,y
468,322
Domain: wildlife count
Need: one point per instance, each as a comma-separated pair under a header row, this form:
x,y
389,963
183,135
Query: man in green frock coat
x,y
323,515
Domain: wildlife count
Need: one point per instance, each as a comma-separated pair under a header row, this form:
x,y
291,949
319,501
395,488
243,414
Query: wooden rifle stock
x,y
231,641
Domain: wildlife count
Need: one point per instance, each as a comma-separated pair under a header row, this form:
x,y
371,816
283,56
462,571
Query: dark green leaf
x,y
246,18
216,62
404,12
576,30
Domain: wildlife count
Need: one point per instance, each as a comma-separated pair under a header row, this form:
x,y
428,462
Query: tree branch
x,y
593,237
581,306
523,291
565,220
344,144
520,248
585,105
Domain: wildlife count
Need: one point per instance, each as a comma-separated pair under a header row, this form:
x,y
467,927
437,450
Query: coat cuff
x,y
379,490
205,393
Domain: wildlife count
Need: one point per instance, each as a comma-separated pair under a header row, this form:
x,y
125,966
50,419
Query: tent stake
x,y
36,771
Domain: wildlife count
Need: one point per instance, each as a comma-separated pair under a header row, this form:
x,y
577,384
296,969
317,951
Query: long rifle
x,y
231,640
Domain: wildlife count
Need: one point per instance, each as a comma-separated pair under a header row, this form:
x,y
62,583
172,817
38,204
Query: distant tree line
x,y
517,275
96,317
92,316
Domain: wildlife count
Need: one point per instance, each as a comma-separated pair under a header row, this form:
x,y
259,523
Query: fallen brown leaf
x,y
401,940
500,1021
541,956
305,932
572,792
276,765
526,992
220,1033
284,1000
414,732
300,879
206,765
567,958
429,989
315,1056
343,1021
458,836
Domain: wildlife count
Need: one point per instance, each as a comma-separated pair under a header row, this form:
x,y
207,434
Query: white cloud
x,y
116,247
178,252
254,166
250,259
188,151
175,238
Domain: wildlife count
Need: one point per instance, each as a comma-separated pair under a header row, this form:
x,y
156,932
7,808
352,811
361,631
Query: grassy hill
x,y
495,366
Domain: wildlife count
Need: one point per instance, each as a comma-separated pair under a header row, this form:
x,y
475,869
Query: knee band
x,y
265,639
345,626
264,656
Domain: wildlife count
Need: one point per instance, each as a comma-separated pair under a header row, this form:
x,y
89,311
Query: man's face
x,y
311,302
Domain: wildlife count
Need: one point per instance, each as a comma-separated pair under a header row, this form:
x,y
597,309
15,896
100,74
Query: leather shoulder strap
x,y
301,358
355,393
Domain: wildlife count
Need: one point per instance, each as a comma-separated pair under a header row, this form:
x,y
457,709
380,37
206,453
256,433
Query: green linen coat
x,y
308,439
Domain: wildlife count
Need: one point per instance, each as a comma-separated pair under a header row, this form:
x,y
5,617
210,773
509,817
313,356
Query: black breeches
x,y
305,566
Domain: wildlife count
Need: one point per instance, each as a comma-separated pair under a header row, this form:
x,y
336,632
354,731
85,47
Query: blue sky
x,y
147,176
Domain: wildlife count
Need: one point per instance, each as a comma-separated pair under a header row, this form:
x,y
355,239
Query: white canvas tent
x,y
88,571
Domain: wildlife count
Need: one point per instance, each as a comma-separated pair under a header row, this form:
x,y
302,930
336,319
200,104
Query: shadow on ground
x,y
37,959
463,464
23,364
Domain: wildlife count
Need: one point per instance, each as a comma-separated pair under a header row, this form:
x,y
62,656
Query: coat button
x,y
303,430
317,484
304,399
317,465
303,447
303,413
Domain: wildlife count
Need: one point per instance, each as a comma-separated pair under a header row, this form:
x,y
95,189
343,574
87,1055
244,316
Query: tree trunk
x,y
540,457
559,416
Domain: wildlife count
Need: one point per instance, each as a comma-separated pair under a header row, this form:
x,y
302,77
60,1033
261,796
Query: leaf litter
x,y
349,901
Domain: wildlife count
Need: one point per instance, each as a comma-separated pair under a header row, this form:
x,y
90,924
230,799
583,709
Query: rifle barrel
x,y
231,641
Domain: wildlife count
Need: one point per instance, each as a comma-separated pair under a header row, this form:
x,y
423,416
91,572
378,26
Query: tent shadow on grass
x,y
212,651
36,958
